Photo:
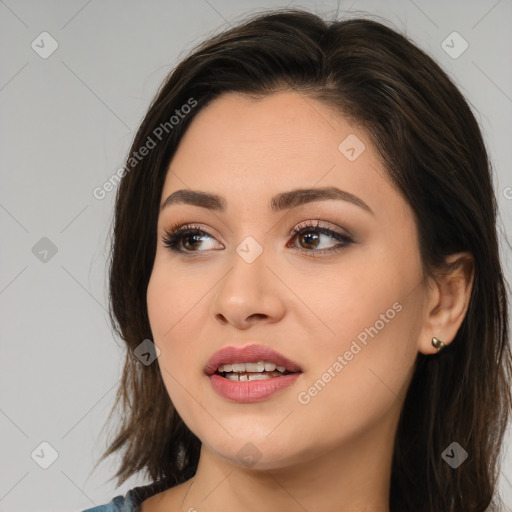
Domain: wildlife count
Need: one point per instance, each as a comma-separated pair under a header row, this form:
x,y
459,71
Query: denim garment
x,y
128,503
133,498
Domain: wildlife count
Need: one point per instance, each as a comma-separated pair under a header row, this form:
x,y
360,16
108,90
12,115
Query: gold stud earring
x,y
438,343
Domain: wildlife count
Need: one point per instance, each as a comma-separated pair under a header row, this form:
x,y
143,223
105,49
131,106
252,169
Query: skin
x,y
333,453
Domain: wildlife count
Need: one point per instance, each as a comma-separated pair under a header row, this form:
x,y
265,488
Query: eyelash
x,y
177,233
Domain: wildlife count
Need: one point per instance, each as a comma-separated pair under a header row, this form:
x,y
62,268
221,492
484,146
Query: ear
x,y
447,301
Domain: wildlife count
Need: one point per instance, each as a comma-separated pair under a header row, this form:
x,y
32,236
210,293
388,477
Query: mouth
x,y
260,370
250,374
253,362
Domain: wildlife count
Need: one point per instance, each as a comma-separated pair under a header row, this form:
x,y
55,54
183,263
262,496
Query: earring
x,y
438,343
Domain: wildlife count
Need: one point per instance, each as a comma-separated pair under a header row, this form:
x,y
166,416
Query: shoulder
x,y
132,500
126,503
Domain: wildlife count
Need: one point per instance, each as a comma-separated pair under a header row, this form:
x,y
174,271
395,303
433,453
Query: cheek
x,y
346,300
171,296
353,385
164,311
174,325
366,353
173,302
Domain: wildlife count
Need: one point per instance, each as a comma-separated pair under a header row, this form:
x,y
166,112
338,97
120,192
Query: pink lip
x,y
255,390
249,354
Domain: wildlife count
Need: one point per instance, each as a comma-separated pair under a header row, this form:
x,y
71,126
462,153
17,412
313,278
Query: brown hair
x,y
432,148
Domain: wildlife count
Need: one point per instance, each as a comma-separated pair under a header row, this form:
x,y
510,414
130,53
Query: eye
x,y
186,239
186,235
310,233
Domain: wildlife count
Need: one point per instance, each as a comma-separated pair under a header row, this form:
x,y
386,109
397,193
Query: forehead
x,y
254,132
244,147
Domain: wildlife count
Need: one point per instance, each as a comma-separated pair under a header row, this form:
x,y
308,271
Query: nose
x,y
249,293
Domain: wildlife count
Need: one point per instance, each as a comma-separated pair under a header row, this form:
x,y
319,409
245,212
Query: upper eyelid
x,y
320,224
312,224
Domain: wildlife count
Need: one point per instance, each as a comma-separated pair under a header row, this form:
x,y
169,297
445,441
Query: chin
x,y
258,453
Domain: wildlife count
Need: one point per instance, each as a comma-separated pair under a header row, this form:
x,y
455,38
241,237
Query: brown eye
x,y
185,239
310,236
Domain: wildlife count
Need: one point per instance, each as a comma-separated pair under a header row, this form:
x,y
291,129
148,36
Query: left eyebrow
x,y
280,202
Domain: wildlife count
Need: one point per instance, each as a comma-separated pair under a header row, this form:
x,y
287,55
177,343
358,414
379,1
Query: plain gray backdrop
x,y
68,116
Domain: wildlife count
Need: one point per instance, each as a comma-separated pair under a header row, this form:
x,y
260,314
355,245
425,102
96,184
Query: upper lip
x,y
249,354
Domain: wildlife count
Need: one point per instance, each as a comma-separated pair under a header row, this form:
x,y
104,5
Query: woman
x,y
308,281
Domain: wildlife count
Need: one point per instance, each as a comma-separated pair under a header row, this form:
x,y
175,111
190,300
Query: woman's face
x,y
349,317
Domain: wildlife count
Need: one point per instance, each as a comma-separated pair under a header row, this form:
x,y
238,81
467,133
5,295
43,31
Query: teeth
x,y
260,366
255,367
259,376
246,377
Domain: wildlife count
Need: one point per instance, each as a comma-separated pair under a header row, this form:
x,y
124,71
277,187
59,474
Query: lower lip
x,y
252,390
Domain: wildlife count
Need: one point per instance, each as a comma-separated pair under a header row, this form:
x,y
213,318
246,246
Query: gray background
x,y
67,122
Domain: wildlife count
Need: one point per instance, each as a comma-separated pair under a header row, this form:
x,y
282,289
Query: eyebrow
x,y
280,202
